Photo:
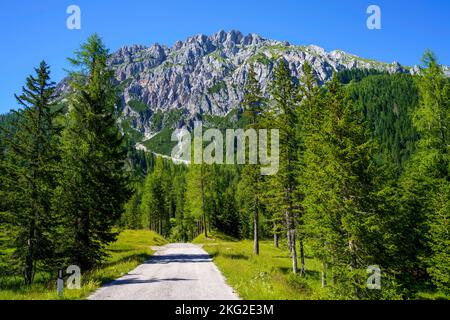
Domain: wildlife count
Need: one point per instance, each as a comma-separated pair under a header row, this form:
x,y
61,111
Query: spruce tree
x,y
426,183
308,121
29,172
339,193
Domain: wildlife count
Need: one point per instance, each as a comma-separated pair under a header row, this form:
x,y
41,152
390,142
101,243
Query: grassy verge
x,y
131,249
264,277
268,276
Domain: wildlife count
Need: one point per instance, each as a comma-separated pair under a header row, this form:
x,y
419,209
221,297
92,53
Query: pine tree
x,y
94,184
29,178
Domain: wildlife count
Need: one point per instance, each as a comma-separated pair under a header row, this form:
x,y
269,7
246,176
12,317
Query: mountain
x,y
204,75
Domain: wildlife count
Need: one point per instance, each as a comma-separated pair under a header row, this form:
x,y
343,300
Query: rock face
x,y
206,74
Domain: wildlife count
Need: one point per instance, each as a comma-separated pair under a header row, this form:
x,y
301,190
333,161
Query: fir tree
x,y
30,168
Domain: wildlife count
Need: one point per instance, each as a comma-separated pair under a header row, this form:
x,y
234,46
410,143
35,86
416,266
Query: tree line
x,y
64,180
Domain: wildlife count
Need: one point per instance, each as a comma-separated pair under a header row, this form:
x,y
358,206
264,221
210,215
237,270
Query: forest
x,y
363,180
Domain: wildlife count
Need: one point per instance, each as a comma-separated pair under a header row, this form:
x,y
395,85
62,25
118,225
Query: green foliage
x,y
131,249
388,102
156,207
264,277
285,118
261,58
94,185
363,180
138,106
251,183
132,135
217,87
426,182
348,75
338,191
28,178
164,123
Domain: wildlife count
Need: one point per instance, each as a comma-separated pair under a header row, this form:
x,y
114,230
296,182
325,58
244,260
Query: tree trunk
x,y
302,259
199,228
202,182
205,226
352,250
29,261
294,252
256,233
289,240
275,240
324,275
291,237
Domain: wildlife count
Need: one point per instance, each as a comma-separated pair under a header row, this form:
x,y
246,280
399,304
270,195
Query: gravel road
x,y
175,272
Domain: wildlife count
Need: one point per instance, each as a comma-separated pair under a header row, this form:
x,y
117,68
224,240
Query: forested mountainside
x,y
203,77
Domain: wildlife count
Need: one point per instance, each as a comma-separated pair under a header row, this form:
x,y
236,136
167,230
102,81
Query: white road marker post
x,y
60,283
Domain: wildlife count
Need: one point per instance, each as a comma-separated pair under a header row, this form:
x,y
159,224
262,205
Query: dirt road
x,y
175,272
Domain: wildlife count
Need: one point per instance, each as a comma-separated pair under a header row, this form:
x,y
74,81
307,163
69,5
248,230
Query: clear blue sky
x,y
33,30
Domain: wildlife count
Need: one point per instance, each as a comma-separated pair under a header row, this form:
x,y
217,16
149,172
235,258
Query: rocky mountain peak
x,y
205,74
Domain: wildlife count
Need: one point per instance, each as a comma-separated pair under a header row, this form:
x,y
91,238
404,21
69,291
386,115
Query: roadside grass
x,y
428,294
265,277
131,249
269,276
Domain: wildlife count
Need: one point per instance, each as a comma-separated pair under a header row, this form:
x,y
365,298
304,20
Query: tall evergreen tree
x,y
308,115
155,200
195,197
30,168
339,195
285,102
426,182
94,184
251,175
131,218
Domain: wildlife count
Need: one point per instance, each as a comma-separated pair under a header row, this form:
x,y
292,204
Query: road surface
x,y
175,272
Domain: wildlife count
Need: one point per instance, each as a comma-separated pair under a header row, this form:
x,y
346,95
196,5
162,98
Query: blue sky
x,y
33,30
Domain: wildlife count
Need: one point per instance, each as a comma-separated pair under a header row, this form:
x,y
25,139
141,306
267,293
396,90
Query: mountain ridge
x,y
204,75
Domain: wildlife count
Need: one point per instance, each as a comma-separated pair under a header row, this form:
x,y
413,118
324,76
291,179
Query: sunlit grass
x,y
265,277
131,249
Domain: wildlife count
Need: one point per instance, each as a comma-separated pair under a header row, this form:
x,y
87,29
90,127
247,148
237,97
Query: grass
x,y
217,87
131,249
269,276
138,106
264,277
